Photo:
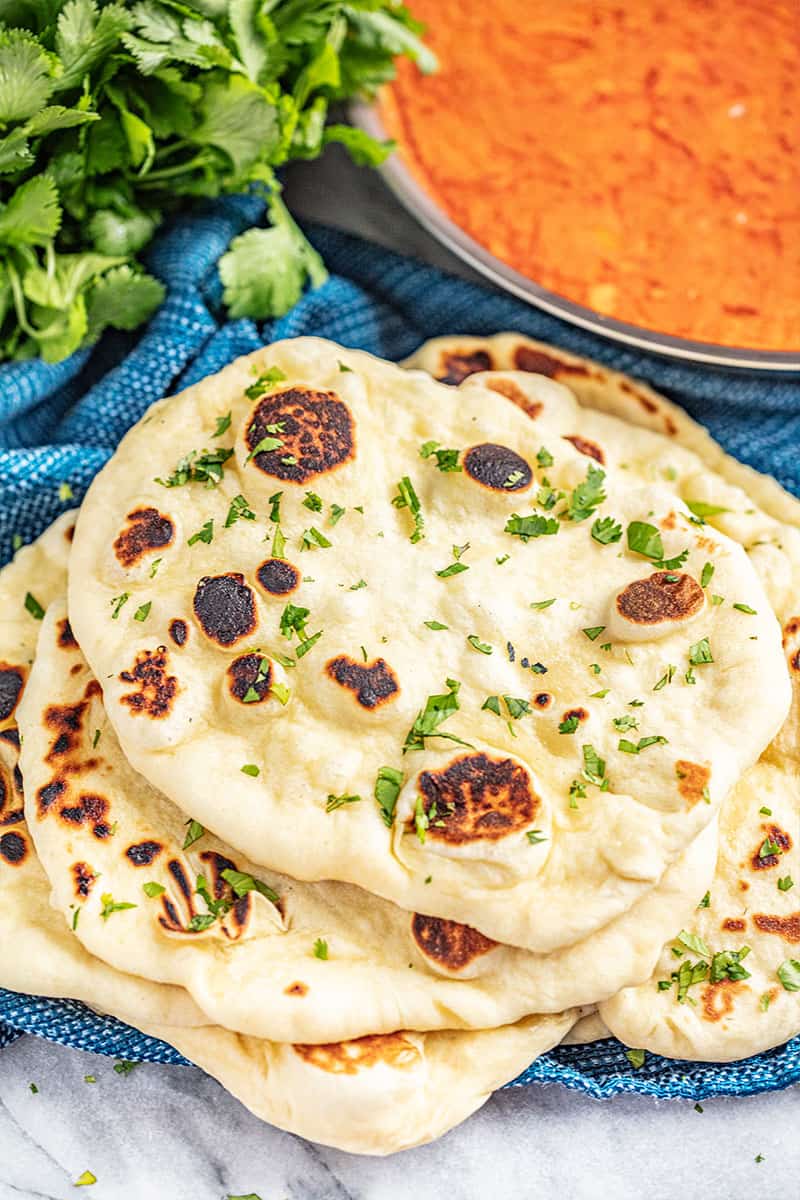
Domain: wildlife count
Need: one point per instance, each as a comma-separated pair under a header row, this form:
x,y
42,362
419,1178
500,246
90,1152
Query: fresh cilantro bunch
x,y
114,114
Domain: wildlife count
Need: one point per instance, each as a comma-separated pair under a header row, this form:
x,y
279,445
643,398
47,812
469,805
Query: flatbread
x,y
588,1029
458,846
371,1096
41,955
102,831
770,532
376,1095
722,1017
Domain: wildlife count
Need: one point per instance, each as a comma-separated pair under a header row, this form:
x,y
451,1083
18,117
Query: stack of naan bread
x,y
377,728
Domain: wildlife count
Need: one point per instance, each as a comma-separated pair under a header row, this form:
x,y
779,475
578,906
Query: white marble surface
x,y
171,1133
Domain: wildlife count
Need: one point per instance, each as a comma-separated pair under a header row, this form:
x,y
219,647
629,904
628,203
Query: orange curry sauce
x,y
641,158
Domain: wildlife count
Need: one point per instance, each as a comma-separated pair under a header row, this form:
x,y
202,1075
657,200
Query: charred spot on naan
x,y
455,366
278,577
154,688
13,848
733,924
449,943
538,362
585,446
787,927
298,988
147,530
83,878
348,1058
141,854
179,631
10,797
663,596
477,797
12,681
542,700
250,673
236,919
513,392
717,999
692,780
64,635
48,794
316,432
225,608
65,722
497,467
371,684
92,811
773,836
575,714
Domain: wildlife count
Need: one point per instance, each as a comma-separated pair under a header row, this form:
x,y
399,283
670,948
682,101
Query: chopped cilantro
x,y
502,558
356,587
242,883
477,644
765,812
542,604
454,569
33,606
517,707
666,678
785,884
262,383
117,604
264,446
437,709
312,538
223,425
153,889
491,704
334,802
124,1066
65,493
700,509
568,725
321,949
313,501
535,836
594,767
435,625
587,495
275,508
694,942
307,644
637,747
85,1179
769,848
606,531
626,722
407,498
195,832
387,788
293,620
704,903
789,974
204,534
239,510
337,512
593,632
533,526
278,543
207,468
110,905
745,608
143,611
717,600
645,539
421,820
700,653
250,769
635,1058
544,458
706,574
446,460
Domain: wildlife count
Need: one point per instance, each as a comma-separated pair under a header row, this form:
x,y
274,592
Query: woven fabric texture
x,y
59,424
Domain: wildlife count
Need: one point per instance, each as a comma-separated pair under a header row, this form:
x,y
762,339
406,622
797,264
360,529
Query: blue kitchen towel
x,y
59,424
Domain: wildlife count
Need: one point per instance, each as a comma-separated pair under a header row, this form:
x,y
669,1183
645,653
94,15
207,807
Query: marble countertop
x,y
171,1133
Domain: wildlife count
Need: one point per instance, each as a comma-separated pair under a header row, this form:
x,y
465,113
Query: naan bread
x,y
588,1029
198,629
375,1095
371,1096
40,954
104,835
730,1009
770,532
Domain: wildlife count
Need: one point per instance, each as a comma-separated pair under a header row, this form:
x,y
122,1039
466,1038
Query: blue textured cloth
x,y
59,424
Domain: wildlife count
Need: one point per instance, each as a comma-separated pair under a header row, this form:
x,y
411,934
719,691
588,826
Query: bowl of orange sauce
x,y
631,167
